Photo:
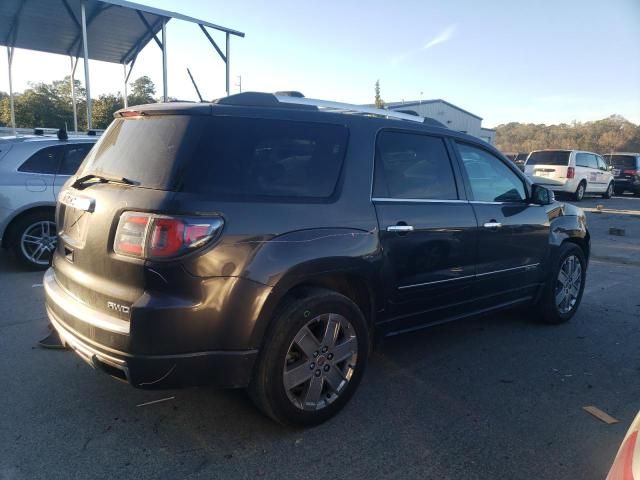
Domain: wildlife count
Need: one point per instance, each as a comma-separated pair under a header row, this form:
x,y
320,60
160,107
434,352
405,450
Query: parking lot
x,y
493,397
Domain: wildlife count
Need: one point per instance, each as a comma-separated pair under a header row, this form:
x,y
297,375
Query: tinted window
x,y
413,166
587,160
44,161
627,162
491,180
254,157
73,157
146,150
549,157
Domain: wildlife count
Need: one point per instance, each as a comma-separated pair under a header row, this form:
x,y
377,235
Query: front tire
x,y
562,294
580,191
609,192
33,239
312,359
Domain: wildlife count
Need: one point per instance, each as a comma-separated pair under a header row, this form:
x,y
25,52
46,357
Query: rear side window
x,y
44,161
549,157
587,160
253,157
413,166
73,157
626,162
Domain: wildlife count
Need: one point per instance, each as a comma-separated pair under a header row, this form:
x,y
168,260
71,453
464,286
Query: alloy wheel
x,y
568,284
320,361
38,242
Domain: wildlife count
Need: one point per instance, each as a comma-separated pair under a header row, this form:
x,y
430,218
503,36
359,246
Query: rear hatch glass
x,y
222,156
549,157
622,162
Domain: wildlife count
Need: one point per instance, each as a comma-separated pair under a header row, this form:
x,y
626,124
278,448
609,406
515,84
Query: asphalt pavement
x,y
491,397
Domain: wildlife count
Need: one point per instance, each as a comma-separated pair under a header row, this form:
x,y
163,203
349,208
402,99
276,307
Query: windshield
x,y
549,157
627,162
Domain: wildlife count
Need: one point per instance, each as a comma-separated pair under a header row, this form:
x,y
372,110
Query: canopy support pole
x,y
86,61
12,106
124,94
73,92
164,61
228,63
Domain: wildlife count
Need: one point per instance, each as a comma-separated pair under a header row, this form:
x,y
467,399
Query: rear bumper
x,y
93,335
569,185
627,184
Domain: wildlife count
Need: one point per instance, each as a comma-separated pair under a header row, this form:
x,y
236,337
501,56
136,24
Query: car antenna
x,y
194,84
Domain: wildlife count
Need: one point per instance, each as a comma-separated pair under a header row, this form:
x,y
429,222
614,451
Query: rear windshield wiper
x,y
101,178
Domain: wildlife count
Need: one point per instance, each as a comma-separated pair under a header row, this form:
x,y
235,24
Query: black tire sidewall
x,y
286,326
576,195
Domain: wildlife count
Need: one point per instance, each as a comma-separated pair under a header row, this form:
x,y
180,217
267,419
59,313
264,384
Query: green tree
x,y
104,108
142,91
379,103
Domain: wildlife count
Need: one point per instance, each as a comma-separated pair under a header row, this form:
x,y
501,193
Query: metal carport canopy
x,y
116,31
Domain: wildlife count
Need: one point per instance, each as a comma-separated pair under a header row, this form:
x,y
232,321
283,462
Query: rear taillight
x,y
146,235
571,172
630,172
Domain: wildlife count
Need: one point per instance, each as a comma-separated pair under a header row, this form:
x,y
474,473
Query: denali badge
x,y
117,307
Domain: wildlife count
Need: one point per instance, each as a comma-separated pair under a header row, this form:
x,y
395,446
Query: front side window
x,y
601,164
44,161
413,166
490,179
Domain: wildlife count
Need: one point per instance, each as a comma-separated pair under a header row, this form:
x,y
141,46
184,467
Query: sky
x,y
540,61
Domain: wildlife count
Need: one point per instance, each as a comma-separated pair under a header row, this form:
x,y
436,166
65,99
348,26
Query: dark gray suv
x,y
265,241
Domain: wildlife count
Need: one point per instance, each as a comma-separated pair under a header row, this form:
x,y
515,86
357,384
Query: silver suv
x,y
32,170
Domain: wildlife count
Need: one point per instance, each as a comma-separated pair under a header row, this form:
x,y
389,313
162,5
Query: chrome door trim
x,y
531,266
415,200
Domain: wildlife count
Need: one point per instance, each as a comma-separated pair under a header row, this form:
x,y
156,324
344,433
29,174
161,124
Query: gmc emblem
x,y
117,307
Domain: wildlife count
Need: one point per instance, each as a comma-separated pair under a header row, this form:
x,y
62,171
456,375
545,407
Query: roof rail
x,y
348,108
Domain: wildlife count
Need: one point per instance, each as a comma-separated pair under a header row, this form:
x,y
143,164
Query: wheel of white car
x,y
33,239
580,191
609,192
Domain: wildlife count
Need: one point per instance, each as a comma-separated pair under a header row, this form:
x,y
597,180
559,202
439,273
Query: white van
x,y
570,171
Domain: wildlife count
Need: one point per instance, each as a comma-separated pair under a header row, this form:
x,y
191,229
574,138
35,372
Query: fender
x,y
304,256
568,222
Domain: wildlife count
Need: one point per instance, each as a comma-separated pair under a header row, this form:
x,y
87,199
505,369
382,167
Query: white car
x,y
570,171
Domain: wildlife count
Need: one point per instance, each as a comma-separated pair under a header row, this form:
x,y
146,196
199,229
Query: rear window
x,y
549,157
223,156
627,162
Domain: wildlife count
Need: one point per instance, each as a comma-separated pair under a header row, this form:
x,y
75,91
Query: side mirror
x,y
541,195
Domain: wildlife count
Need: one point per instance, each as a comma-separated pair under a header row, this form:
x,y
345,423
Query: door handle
x,y
400,228
492,224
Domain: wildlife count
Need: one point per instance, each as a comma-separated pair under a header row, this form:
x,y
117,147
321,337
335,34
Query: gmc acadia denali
x,y
264,241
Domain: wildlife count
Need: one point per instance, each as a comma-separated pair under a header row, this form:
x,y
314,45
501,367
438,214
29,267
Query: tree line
x,y
50,104
611,134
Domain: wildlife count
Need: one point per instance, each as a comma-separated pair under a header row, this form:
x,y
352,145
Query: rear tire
x,y
609,192
33,239
562,294
580,191
305,374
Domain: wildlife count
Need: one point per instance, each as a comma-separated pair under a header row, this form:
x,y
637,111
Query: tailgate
x,y
86,265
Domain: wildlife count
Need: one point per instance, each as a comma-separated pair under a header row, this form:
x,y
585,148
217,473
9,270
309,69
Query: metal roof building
x,y
108,30
451,115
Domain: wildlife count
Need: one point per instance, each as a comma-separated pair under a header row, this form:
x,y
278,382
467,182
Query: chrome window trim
x,y
416,200
531,266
